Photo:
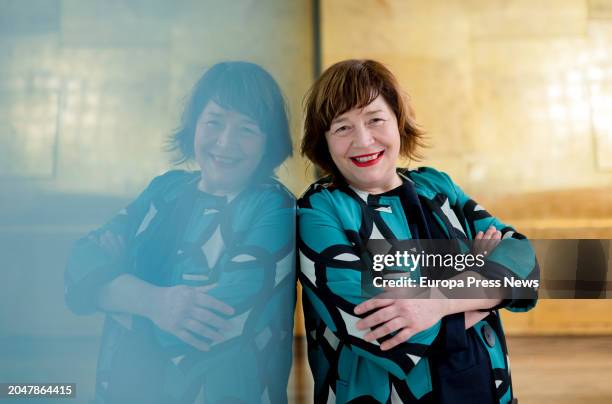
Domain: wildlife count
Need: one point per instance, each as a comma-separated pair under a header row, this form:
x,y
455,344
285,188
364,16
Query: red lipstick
x,y
366,160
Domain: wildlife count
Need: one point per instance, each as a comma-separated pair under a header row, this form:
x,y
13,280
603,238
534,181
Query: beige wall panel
x,y
532,105
599,73
600,9
440,94
526,18
371,28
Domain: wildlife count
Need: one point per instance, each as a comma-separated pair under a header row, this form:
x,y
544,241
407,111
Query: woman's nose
x,y
363,137
225,137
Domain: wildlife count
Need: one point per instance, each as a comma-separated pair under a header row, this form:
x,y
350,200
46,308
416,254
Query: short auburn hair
x,y
354,84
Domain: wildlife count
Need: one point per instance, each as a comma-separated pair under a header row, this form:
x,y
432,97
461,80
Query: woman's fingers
x,y
487,241
202,330
112,243
372,304
492,237
495,240
397,339
490,232
206,288
207,317
187,337
385,329
209,302
106,242
473,317
379,316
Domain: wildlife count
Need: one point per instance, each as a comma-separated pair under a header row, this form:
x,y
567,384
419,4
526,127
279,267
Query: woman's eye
x,y
212,124
247,131
376,121
341,130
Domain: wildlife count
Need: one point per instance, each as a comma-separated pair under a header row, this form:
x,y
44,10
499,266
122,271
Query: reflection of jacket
x,y
176,234
444,363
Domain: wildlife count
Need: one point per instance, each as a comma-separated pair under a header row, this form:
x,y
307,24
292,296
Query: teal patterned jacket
x,y
444,363
176,234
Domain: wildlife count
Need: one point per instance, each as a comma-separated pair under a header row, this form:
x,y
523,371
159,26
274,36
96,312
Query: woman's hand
x,y
191,314
112,243
485,243
187,312
406,316
473,317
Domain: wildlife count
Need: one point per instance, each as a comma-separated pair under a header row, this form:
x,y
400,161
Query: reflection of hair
x,y
245,88
354,84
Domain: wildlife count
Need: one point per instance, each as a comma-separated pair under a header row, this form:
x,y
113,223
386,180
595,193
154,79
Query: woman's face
x,y
228,147
364,144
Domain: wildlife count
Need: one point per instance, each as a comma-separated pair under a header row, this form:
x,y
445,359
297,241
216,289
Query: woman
x,y
386,350
196,275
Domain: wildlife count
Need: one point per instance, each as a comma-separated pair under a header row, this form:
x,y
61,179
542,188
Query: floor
x,y
558,370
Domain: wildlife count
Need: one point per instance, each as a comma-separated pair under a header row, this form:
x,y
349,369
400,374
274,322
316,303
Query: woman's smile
x,y
224,160
364,144
228,148
366,160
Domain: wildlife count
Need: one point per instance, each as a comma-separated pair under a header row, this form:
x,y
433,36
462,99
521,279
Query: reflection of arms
x,y
92,263
187,312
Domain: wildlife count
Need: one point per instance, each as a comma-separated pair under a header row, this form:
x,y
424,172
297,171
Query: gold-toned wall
x,y
515,96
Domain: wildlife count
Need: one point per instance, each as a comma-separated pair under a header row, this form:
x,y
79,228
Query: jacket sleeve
x,y
258,269
257,279
330,274
90,266
514,257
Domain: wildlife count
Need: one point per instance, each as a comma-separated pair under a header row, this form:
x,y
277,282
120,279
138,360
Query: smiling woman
x,y
227,144
196,275
367,348
366,137
371,113
223,124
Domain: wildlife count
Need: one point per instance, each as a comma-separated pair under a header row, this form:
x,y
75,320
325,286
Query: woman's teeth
x,y
224,160
367,158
